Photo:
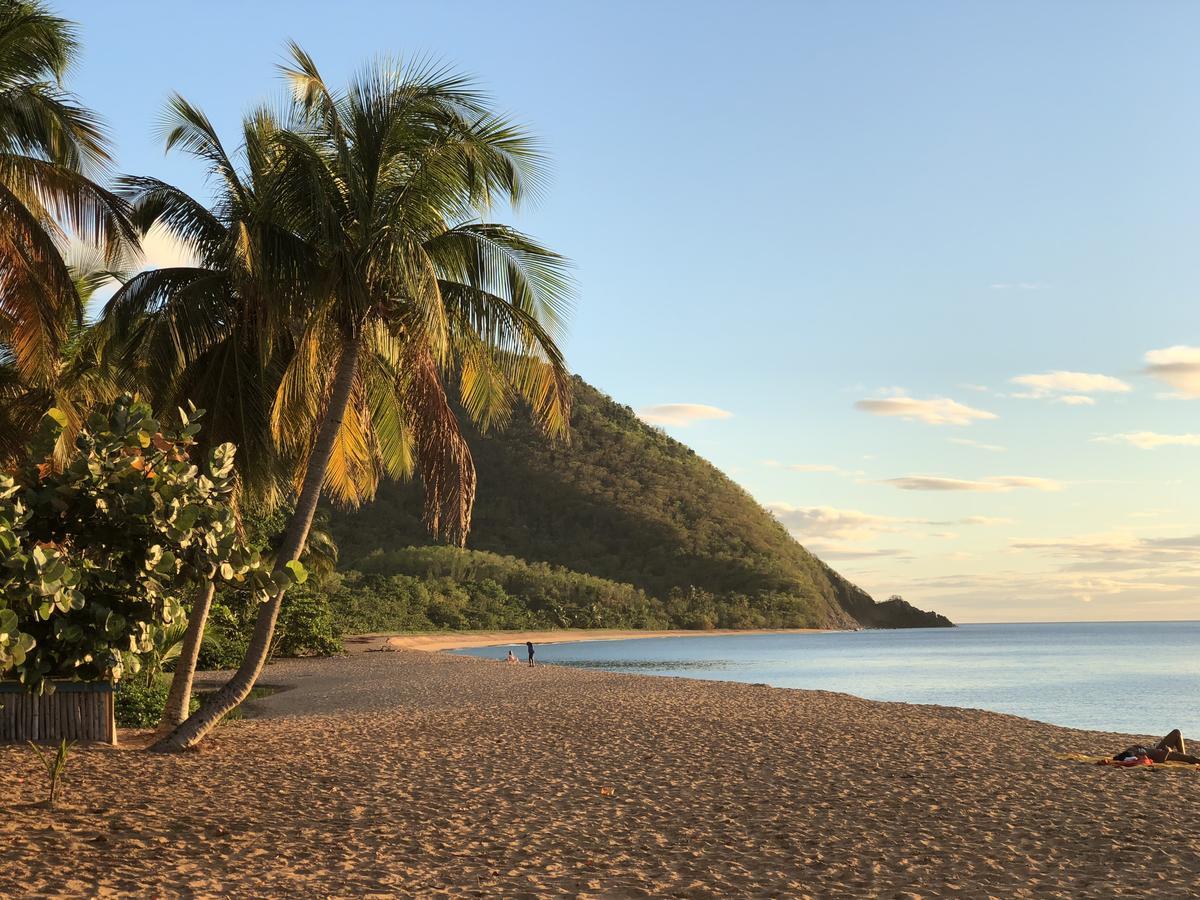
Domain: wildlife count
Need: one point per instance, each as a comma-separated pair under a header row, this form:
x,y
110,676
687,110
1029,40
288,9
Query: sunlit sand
x,y
433,774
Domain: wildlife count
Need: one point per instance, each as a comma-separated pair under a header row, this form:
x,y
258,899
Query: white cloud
x,y
978,445
159,250
680,414
812,467
1074,385
985,520
1178,366
162,250
828,522
851,551
935,411
1086,587
991,484
1149,440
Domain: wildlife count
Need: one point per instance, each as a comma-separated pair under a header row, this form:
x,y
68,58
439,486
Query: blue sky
x,y
847,227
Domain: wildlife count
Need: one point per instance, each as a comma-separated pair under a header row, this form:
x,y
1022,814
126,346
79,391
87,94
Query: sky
x,y
920,276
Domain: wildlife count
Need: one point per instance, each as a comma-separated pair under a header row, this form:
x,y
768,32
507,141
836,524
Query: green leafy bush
x,y
99,555
305,626
223,647
140,705
140,702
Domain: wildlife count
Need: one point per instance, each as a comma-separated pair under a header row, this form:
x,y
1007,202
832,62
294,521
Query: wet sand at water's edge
x,y
435,775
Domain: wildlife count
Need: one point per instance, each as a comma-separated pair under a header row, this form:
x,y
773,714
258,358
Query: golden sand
x,y
405,773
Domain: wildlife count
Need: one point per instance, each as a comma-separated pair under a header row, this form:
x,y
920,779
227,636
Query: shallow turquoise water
x,y
1136,677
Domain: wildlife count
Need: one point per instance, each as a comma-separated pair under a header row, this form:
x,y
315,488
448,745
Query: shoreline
x,y
433,642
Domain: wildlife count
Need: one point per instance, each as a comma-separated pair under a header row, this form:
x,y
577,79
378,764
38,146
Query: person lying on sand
x,y
1170,749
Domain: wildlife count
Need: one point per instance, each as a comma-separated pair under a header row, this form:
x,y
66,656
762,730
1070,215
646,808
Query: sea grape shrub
x,y
101,555
29,576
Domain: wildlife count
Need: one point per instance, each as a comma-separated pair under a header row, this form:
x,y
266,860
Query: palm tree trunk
x,y
192,731
180,697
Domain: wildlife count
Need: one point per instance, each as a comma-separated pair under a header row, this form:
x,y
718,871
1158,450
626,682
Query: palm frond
x,y
442,455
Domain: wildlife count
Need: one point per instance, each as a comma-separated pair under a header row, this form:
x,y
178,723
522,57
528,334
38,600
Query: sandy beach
x,y
407,773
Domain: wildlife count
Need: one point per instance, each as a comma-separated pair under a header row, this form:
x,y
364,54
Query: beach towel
x,y
1143,763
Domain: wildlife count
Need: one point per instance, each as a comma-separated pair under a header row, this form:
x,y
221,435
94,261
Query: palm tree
x,y
211,332
366,207
50,149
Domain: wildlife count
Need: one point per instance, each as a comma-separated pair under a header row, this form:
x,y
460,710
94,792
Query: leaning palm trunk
x,y
197,726
180,697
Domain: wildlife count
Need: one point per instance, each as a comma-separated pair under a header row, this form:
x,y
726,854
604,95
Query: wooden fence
x,y
77,711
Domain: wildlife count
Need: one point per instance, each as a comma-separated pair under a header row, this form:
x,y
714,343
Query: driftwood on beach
x,y
74,711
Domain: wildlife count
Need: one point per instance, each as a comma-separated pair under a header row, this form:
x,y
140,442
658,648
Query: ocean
x,y
1136,677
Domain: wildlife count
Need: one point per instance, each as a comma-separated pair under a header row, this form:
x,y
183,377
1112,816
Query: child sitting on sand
x,y
510,659
1170,749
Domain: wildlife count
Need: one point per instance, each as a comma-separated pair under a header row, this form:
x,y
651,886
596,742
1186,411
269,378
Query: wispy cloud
x,y
1178,366
1129,552
1150,440
830,522
681,414
935,411
978,445
1071,388
1122,571
852,551
991,484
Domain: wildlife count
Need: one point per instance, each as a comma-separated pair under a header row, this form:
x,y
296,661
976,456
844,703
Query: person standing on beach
x,y
529,648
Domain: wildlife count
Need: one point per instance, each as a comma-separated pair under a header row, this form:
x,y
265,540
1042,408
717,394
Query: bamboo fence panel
x,y
76,711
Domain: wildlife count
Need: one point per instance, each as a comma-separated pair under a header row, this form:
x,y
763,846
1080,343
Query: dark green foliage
x,y
622,502
225,641
428,588
305,626
140,704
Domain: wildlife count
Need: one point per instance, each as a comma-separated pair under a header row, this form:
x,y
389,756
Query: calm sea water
x,y
1135,677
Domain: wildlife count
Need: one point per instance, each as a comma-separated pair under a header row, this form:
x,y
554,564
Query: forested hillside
x,y
625,503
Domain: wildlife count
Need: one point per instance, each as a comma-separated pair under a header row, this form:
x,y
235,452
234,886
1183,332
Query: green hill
x,y
645,531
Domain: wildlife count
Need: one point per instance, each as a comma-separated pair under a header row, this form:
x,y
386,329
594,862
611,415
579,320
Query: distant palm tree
x,y
354,250
50,149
